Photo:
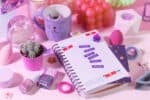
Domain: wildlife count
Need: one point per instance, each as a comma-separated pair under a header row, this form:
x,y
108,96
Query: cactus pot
x,y
33,64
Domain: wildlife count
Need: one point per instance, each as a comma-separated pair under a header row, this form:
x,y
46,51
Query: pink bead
x,y
84,7
92,3
90,12
100,1
90,20
109,17
106,6
116,37
99,24
79,3
87,1
99,18
99,9
75,18
90,26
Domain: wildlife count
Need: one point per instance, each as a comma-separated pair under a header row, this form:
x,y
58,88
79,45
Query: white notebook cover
x,y
104,68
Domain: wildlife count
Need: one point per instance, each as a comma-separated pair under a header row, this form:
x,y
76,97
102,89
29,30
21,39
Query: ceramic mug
x,y
57,19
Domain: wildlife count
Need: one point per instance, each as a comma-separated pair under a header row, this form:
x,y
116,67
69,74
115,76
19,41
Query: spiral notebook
x,y
90,65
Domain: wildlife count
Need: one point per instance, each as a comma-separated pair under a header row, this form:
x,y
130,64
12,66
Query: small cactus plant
x,y
31,49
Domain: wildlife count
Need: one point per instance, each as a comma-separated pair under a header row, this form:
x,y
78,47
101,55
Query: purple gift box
x,y
45,81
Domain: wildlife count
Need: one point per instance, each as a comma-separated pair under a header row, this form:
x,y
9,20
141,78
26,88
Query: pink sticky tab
x,y
67,47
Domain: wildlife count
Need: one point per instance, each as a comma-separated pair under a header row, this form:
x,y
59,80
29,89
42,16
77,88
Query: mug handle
x,y
38,19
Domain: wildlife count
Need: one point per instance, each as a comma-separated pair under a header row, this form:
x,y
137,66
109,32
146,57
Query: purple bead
x,y
132,53
96,38
45,81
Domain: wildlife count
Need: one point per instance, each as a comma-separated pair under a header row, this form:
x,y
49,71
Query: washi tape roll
x,y
65,87
6,78
57,20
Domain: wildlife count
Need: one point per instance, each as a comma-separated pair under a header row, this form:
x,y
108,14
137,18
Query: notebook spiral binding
x,y
68,69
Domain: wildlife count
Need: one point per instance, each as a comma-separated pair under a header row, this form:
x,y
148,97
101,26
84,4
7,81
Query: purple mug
x,y
57,19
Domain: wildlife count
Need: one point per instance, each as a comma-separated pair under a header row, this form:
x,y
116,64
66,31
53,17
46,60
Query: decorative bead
x,y
88,10
99,10
96,38
109,17
132,53
84,7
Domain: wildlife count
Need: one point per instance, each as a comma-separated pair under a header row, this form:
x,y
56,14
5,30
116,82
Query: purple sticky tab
x,y
95,61
90,49
93,56
97,66
89,54
84,46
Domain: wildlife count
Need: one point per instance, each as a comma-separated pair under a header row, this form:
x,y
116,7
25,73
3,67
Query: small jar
x,y
20,29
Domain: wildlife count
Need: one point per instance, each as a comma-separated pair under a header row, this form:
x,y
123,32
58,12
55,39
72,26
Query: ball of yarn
x,y
116,37
120,3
